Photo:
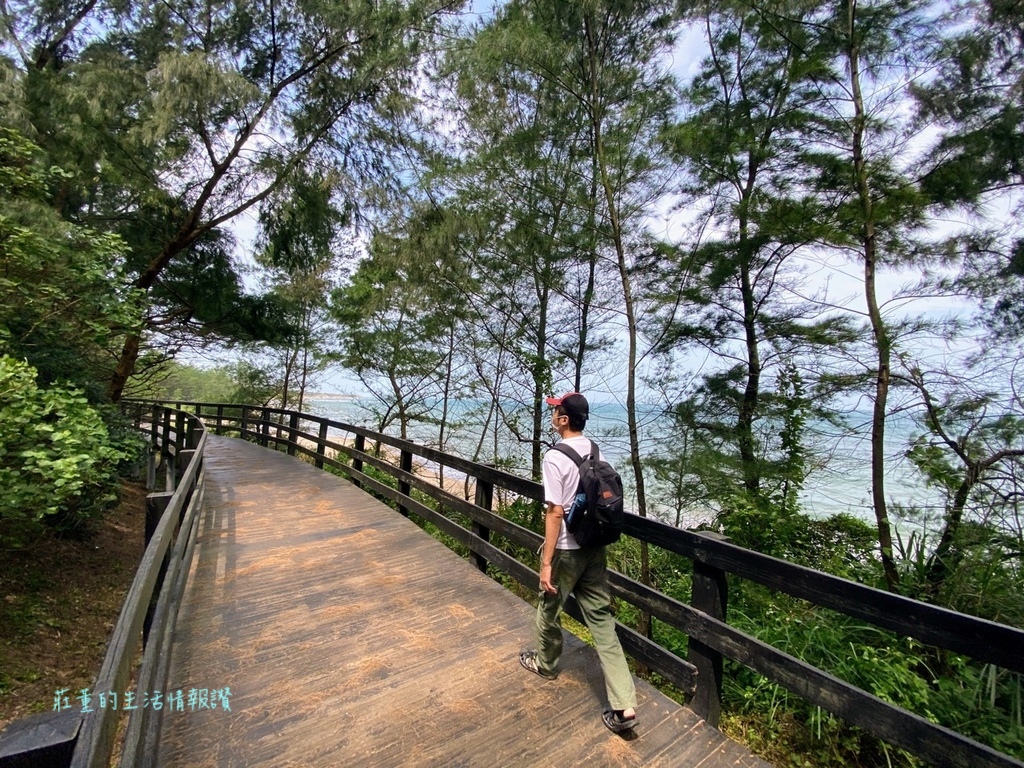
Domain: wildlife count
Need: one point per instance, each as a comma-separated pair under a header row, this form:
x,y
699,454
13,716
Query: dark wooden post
x,y
321,449
404,488
179,430
190,433
243,424
170,472
167,430
484,497
709,595
219,429
357,463
152,460
156,505
155,448
264,427
184,459
179,437
293,432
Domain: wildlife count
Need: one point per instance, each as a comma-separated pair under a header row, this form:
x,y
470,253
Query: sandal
x,y
616,723
529,660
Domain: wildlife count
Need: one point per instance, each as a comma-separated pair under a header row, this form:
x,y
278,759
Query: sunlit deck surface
x,y
349,637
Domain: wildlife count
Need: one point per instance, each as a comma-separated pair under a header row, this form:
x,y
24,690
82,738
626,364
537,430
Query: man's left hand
x,y
546,580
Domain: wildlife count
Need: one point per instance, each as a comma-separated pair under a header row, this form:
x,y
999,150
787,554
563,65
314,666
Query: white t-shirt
x,y
561,478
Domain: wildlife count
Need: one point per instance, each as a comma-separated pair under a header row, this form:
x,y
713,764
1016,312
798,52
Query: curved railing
x,y
344,447
178,440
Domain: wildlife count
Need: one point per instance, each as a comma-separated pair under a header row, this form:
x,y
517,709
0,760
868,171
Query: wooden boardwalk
x,y
349,637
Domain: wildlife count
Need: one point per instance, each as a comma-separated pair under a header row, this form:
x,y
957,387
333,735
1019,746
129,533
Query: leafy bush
x,y
57,461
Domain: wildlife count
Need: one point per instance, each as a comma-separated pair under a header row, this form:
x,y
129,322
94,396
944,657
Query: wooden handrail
x,y
703,620
163,570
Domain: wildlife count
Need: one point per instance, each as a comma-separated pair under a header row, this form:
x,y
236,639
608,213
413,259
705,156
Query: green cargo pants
x,y
584,572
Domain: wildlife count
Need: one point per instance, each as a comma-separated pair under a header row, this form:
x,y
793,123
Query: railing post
x,y
154,422
179,430
357,463
293,432
264,430
165,425
484,497
404,488
185,458
710,595
152,459
219,429
321,449
170,472
243,422
156,505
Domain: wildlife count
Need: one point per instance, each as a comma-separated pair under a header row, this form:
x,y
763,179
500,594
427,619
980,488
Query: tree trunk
x,y
597,114
446,398
883,344
289,369
540,377
125,366
588,296
751,392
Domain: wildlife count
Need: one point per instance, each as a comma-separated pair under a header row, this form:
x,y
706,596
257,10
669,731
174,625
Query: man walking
x,y
565,568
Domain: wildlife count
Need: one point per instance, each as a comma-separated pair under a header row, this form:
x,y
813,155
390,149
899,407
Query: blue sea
x,y
839,480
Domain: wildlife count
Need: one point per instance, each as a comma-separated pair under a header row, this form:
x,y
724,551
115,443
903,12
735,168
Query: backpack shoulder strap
x,y
595,452
563,448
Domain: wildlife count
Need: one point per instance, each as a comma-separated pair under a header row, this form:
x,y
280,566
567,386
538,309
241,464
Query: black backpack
x,y
600,522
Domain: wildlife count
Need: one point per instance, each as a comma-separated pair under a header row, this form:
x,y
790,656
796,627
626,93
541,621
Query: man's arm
x,y
552,529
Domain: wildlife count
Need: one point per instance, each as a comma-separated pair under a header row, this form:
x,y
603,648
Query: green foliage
x,y
973,96
186,383
715,461
983,702
57,459
164,122
300,248
397,316
972,699
842,545
986,580
63,305
254,383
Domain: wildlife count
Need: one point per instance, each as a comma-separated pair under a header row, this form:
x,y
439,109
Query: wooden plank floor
x,y
348,637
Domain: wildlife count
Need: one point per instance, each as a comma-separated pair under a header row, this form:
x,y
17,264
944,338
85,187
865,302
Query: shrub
x,y
57,461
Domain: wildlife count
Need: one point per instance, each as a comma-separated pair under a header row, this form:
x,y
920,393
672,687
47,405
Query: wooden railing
x,y
703,620
178,440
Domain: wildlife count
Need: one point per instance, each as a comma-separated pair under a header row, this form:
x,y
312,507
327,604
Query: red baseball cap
x,y
572,403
